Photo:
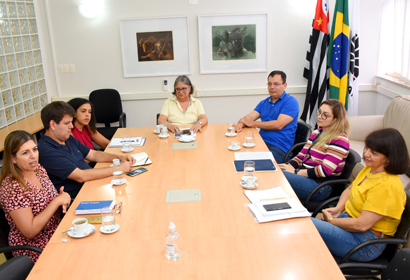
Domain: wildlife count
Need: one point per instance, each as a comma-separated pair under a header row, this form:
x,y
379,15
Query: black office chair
x,y
18,267
108,109
157,118
338,185
356,270
301,136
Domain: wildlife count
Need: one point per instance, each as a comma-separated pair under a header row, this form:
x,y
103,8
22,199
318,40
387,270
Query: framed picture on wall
x,y
232,43
155,46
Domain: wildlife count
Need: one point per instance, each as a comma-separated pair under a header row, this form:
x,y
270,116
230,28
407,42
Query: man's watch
x,y
297,170
200,123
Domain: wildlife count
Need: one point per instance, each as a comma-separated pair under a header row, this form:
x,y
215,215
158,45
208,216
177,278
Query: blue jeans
x,y
340,241
278,154
303,186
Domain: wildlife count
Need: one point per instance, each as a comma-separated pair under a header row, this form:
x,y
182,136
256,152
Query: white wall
x,y
93,45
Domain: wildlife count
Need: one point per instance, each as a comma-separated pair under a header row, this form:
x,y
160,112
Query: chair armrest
x,y
361,126
20,247
123,120
324,204
372,242
364,265
286,158
330,182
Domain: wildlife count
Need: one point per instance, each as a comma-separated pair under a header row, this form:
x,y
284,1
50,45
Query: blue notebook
x,y
260,165
94,207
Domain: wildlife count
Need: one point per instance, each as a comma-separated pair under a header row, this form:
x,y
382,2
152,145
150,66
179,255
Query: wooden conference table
x,y
220,240
31,124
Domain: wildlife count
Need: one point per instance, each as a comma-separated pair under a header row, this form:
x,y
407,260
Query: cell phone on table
x,y
276,206
137,171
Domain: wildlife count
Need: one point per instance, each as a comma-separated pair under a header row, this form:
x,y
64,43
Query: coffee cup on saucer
x,y
80,226
250,182
235,144
158,129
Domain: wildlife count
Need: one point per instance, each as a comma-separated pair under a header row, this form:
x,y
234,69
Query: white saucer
x,y
248,145
163,136
119,184
157,132
127,151
117,227
234,149
91,229
186,139
243,178
243,184
231,135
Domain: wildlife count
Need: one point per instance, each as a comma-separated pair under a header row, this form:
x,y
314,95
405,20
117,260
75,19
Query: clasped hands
x,y
245,121
173,127
331,213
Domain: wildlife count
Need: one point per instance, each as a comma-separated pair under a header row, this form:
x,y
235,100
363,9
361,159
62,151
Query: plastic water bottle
x,y
172,251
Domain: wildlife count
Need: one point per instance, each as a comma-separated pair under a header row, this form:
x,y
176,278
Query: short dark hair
x,y
278,72
183,79
55,111
77,103
390,142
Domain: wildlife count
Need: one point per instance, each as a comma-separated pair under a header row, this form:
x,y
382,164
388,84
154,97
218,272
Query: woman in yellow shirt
x,y
183,108
375,201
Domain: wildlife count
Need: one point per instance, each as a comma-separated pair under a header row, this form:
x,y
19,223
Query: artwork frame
x,y
207,62
133,67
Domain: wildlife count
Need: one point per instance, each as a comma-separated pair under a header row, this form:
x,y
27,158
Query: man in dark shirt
x,y
64,157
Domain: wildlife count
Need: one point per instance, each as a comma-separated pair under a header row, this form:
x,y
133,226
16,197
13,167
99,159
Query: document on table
x,y
135,141
141,159
254,155
274,196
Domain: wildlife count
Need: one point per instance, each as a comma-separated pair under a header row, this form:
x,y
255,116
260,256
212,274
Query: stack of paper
x,y
274,196
94,207
141,159
135,142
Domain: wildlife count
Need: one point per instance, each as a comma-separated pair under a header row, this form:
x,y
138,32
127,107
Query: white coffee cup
x,y
235,144
250,182
158,129
80,226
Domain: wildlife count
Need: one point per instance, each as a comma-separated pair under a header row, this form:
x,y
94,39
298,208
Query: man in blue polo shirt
x,y
63,156
279,117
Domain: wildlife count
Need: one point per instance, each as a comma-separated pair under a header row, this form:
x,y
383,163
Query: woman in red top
x,y
84,129
29,199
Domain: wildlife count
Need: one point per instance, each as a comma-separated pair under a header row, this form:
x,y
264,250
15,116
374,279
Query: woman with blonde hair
x,y
29,199
323,156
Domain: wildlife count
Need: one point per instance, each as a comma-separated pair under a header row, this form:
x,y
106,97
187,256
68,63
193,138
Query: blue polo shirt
x,y
269,111
61,160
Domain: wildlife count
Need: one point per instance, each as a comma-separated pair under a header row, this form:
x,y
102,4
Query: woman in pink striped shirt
x,y
323,156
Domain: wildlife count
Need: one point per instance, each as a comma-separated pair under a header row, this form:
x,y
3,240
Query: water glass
x,y
249,168
248,137
230,128
126,144
118,175
107,219
164,131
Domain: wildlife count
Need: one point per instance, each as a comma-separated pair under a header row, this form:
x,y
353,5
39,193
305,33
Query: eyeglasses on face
x,y
181,89
275,84
324,116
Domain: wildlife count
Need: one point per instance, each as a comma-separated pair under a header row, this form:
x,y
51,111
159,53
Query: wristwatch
x,y
200,123
297,170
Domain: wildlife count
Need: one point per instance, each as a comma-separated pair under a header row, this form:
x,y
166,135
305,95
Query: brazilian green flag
x,y
338,55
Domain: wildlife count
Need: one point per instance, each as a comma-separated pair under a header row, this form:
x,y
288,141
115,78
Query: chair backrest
x,y
107,105
402,230
352,158
4,233
399,267
302,132
157,118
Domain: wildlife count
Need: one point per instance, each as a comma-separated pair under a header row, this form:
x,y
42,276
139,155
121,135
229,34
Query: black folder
x,y
260,165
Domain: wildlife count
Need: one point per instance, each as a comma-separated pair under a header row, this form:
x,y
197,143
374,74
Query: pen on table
x,y
146,160
272,198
